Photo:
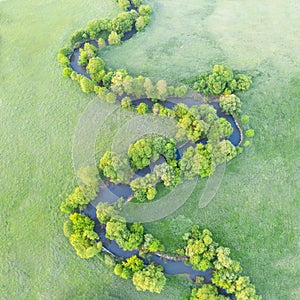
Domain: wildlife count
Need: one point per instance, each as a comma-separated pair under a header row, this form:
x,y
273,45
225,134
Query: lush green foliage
x,y
206,292
80,231
151,278
127,268
144,150
231,104
222,80
116,167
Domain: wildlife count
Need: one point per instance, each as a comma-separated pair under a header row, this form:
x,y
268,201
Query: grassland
x,y
256,210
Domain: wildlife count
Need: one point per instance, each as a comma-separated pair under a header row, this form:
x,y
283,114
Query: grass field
x,y
256,210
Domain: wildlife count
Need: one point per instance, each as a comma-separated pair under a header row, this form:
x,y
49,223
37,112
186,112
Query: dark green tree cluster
x,y
144,150
222,80
116,167
80,230
204,253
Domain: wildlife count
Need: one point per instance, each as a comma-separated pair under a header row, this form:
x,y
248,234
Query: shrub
x,y
95,68
249,133
145,10
246,143
245,119
230,104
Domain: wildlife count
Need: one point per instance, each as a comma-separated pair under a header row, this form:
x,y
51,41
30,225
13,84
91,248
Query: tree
x,y
67,72
138,86
128,267
126,102
83,237
250,133
142,22
151,278
79,199
99,28
145,10
161,87
137,3
230,104
152,244
101,43
150,89
142,108
124,4
167,174
180,91
86,84
207,292
200,248
114,38
223,151
243,82
89,176
95,68
105,211
116,167
79,37
110,97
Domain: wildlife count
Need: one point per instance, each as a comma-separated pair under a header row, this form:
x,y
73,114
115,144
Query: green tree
x,y
101,43
142,108
152,244
114,38
67,72
230,104
142,22
95,68
86,84
206,292
83,238
151,278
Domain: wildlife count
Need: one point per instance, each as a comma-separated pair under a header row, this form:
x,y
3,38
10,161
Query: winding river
x,y
112,192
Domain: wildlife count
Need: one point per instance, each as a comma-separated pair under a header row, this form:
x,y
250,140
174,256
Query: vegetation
x,y
222,80
151,278
80,230
233,213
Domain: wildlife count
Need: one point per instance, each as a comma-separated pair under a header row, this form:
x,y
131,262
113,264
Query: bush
x,y
245,119
180,91
249,133
95,68
246,143
230,104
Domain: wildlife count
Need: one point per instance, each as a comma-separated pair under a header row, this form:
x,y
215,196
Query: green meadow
x,y
255,211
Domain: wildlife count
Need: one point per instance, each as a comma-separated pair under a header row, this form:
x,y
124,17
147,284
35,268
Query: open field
x,y
256,210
